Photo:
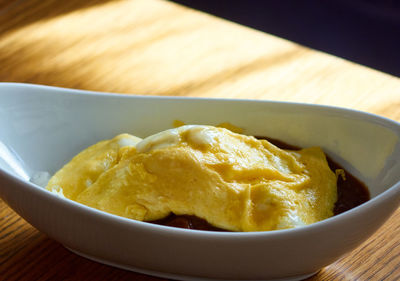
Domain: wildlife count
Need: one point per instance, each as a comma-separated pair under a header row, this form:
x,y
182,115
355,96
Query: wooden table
x,y
153,47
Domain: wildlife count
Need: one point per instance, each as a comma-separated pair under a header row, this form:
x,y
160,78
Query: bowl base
x,y
177,276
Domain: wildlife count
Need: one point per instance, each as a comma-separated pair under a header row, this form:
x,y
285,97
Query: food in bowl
x,y
232,181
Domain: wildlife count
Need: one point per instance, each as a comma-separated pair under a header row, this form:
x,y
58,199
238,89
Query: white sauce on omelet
x,y
200,135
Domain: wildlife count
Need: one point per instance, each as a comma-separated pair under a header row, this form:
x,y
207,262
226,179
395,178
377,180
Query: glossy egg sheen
x,y
235,182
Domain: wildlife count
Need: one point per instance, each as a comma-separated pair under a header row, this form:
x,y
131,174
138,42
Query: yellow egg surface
x,y
233,181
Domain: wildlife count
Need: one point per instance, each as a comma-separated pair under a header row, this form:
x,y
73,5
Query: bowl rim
x,y
314,106
393,124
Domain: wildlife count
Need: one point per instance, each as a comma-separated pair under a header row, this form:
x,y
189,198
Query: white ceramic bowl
x,y
43,127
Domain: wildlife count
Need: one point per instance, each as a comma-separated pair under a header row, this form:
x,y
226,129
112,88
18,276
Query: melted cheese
x,y
235,182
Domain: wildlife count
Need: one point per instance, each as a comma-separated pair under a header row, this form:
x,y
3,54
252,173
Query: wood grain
x,y
152,47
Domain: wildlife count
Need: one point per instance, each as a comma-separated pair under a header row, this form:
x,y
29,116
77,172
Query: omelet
x,y
233,181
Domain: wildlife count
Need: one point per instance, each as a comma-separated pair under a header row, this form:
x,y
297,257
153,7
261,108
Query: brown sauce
x,y
351,193
186,221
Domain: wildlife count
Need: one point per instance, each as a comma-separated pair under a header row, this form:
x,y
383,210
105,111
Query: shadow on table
x,y
363,31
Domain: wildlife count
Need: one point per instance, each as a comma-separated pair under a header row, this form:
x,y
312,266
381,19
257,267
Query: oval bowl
x,y
43,127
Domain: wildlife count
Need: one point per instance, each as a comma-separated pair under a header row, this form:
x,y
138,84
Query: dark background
x,y
363,31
